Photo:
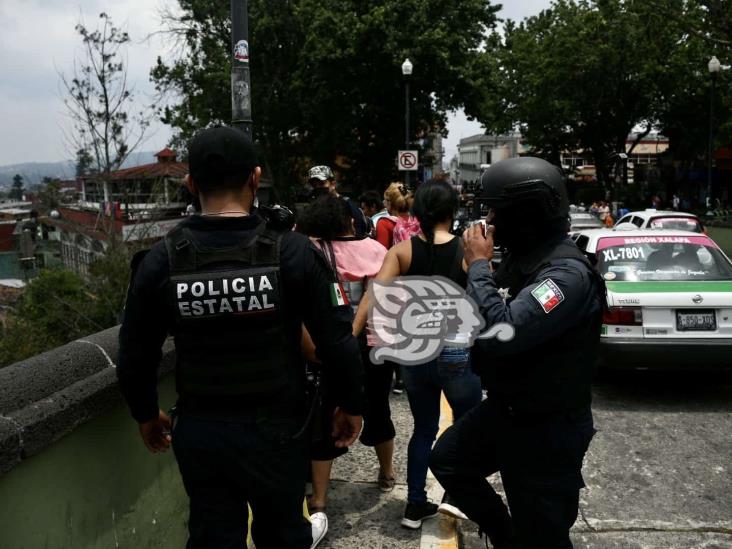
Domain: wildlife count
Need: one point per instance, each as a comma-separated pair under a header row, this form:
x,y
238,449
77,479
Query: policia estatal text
x,y
234,292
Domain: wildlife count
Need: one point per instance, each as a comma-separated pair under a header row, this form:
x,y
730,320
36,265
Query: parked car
x,y
669,295
659,219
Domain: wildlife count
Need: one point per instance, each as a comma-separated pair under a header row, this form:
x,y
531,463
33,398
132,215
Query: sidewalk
x,y
360,516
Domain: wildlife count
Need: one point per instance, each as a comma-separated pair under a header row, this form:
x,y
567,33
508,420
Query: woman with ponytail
x,y
397,201
435,252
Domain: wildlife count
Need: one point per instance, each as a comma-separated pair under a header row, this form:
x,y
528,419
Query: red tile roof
x,y
156,170
166,153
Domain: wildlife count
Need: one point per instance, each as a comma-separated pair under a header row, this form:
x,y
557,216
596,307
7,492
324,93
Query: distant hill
x,y
34,172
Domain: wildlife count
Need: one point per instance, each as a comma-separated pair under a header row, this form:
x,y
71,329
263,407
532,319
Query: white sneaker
x,y
447,507
319,522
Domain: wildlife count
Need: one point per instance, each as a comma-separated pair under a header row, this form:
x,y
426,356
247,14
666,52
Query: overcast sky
x,y
37,40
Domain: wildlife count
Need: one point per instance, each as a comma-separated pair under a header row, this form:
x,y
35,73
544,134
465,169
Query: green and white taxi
x,y
670,298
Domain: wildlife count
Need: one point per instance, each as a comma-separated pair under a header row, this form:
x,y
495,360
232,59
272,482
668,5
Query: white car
x,y
669,295
660,219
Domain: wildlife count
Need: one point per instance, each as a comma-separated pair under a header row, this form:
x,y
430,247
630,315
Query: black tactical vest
x,y
227,304
555,375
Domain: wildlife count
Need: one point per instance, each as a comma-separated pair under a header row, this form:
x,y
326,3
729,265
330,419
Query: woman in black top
x,y
435,252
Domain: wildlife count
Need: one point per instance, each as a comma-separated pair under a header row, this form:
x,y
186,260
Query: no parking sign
x,y
408,161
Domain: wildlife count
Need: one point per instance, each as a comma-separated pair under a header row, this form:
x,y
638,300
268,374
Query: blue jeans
x,y
451,374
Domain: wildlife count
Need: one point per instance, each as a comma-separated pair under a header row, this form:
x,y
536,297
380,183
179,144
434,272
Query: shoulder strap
x,y
186,253
327,248
268,247
176,241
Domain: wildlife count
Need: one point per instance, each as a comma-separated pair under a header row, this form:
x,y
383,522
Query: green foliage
x,y
109,277
583,74
58,306
326,76
84,163
50,193
16,192
53,310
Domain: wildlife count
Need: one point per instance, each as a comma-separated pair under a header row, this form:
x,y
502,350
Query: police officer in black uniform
x,y
536,424
234,291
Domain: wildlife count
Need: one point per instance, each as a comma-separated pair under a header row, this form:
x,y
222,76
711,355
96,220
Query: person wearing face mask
x,y
536,423
234,286
322,180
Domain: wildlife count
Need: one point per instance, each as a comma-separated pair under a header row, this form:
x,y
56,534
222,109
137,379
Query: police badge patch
x,y
548,295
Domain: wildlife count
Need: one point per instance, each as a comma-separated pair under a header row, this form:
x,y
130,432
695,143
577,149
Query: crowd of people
x,y
409,237
274,368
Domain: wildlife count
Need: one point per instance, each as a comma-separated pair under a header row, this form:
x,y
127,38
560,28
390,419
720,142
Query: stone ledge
x,y
47,396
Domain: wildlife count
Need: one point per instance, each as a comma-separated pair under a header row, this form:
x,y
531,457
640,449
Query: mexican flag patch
x,y
337,295
548,295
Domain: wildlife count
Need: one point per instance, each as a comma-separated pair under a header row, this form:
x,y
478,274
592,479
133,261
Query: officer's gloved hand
x,y
278,217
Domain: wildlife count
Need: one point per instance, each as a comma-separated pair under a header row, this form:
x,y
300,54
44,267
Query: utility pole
x,y
241,88
407,72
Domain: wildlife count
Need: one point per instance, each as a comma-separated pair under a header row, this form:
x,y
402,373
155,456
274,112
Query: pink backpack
x,y
406,228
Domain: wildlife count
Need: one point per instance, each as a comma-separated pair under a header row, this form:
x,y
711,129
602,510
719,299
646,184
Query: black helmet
x,y
527,181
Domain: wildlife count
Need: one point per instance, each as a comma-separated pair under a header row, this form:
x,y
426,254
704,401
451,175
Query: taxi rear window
x,y
676,224
679,258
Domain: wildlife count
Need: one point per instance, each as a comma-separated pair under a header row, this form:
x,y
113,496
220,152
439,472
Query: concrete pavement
x,y
360,515
659,470
659,474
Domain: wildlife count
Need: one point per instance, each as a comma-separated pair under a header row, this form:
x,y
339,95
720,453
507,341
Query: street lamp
x,y
714,67
617,178
407,72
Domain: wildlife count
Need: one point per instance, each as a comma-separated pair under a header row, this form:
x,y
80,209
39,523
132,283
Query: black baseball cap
x,y
220,151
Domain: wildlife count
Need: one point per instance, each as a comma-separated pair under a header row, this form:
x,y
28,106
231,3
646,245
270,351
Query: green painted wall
x,y
96,488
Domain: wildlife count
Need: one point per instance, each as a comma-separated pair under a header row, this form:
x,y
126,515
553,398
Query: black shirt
x,y
307,285
446,260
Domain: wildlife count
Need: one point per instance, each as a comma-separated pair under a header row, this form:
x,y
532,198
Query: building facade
x,y
482,150
132,206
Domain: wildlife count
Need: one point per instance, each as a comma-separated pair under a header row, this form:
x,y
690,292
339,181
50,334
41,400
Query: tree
x,y
583,74
326,78
53,310
99,100
59,306
84,163
49,193
16,192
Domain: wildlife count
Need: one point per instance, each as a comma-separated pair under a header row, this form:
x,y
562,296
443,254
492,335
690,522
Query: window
x,y
582,242
637,221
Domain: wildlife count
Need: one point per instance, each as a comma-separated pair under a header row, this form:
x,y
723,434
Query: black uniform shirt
x,y
307,286
562,295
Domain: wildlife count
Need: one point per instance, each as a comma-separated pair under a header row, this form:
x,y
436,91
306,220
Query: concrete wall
x,y
75,473
46,397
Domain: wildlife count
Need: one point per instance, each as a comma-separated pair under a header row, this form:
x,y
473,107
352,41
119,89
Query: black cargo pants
x,y
227,464
540,460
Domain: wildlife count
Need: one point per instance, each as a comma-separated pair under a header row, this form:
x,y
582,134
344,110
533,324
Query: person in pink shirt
x,y
355,261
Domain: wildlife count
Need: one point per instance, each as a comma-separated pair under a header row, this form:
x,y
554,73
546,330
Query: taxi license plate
x,y
696,321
